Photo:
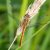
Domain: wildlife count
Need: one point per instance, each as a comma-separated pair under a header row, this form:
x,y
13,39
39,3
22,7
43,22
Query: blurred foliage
x,y
11,12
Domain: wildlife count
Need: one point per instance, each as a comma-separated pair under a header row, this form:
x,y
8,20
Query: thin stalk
x,y
10,20
23,8
46,40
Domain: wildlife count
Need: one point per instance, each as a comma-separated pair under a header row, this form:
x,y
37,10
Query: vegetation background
x,y
37,34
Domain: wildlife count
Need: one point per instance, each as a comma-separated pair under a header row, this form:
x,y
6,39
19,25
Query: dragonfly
x,y
32,10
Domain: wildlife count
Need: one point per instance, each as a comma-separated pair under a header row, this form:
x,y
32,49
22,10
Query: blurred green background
x,y
37,34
